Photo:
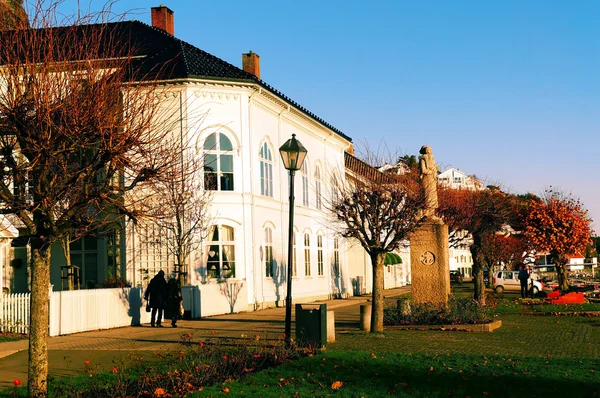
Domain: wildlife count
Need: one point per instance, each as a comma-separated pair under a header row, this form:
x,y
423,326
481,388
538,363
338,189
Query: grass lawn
x,y
367,374
533,354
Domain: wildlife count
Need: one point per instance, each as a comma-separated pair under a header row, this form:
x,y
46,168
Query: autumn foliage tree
x,y
479,212
379,211
558,224
500,248
77,138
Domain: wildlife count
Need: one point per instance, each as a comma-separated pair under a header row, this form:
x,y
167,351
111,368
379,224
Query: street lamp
x,y
292,154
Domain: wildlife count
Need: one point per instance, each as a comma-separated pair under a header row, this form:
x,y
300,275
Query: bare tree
x,y
379,211
77,138
180,208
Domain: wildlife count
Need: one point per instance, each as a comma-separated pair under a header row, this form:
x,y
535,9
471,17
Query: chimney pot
x,y
251,63
163,18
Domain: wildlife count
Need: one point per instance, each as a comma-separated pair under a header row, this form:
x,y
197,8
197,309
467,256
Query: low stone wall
x,y
483,327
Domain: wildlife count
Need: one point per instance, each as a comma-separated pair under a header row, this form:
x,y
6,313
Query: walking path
x,y
108,348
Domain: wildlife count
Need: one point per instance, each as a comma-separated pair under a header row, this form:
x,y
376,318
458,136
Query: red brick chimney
x,y
163,18
251,63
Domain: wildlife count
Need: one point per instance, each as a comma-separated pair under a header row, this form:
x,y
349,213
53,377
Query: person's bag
x,y
148,309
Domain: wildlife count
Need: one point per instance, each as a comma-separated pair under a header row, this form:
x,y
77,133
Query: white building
x,y
241,265
237,123
456,179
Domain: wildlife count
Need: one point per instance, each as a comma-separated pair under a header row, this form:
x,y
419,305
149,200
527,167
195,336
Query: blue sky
x,y
506,90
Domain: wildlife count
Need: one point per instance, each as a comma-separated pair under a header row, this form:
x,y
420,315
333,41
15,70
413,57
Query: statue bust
x,y
428,173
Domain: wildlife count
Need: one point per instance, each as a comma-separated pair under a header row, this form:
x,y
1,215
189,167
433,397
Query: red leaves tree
x,y
558,224
479,212
502,249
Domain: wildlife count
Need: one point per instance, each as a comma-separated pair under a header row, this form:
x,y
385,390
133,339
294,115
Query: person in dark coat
x,y
156,293
523,278
174,298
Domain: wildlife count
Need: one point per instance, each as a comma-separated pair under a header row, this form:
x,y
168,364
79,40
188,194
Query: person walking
x,y
524,279
174,298
156,293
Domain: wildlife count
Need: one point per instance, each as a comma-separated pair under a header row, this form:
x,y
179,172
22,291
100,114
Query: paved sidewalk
x,y
109,347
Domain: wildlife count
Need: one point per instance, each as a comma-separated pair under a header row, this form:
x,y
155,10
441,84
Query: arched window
x,y
318,201
220,262
320,255
218,163
268,252
306,254
266,171
336,256
304,172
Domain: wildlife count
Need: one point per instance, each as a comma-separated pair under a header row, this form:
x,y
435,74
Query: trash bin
x,y
311,325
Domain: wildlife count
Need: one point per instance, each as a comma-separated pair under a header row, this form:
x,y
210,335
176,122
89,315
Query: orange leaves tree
x,y
479,212
80,132
557,224
499,248
379,211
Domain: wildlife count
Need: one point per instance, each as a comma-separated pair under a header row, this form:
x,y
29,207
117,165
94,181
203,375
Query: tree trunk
x,y
561,273
377,262
478,285
490,275
39,320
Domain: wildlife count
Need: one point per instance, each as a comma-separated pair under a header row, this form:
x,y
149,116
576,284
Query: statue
x,y
428,175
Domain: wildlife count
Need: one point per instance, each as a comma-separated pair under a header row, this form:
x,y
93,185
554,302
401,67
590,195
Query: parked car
x,y
509,280
456,277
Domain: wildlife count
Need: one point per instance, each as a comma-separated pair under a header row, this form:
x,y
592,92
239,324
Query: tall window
x,y
218,163
335,188
318,201
266,171
152,255
336,256
220,262
84,254
294,258
320,255
304,172
268,252
307,254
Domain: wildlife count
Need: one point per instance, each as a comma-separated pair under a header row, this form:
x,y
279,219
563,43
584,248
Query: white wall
x,y
249,118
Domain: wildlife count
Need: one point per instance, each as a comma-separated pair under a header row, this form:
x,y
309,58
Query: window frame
x,y
221,244
268,253
307,265
220,155
265,157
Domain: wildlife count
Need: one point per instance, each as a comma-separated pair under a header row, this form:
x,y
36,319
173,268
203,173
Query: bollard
x,y
365,317
330,327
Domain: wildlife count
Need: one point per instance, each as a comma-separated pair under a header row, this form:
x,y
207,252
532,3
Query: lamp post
x,y
292,154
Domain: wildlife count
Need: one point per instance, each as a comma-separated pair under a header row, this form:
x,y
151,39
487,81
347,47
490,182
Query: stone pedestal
x,y
429,263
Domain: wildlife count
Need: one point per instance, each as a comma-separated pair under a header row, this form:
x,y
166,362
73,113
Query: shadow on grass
x,y
371,375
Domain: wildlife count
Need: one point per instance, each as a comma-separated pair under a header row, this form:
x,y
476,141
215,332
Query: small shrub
x,y
113,281
458,311
195,365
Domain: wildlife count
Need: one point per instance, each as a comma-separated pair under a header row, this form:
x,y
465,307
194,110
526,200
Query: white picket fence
x,y
14,313
78,310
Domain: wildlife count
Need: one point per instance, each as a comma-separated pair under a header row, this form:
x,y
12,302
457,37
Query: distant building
x,y
456,179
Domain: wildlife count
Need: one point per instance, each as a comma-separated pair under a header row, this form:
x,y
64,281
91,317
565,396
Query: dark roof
x,y
191,62
167,57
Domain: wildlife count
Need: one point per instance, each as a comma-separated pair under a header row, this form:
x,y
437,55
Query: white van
x,y
509,281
